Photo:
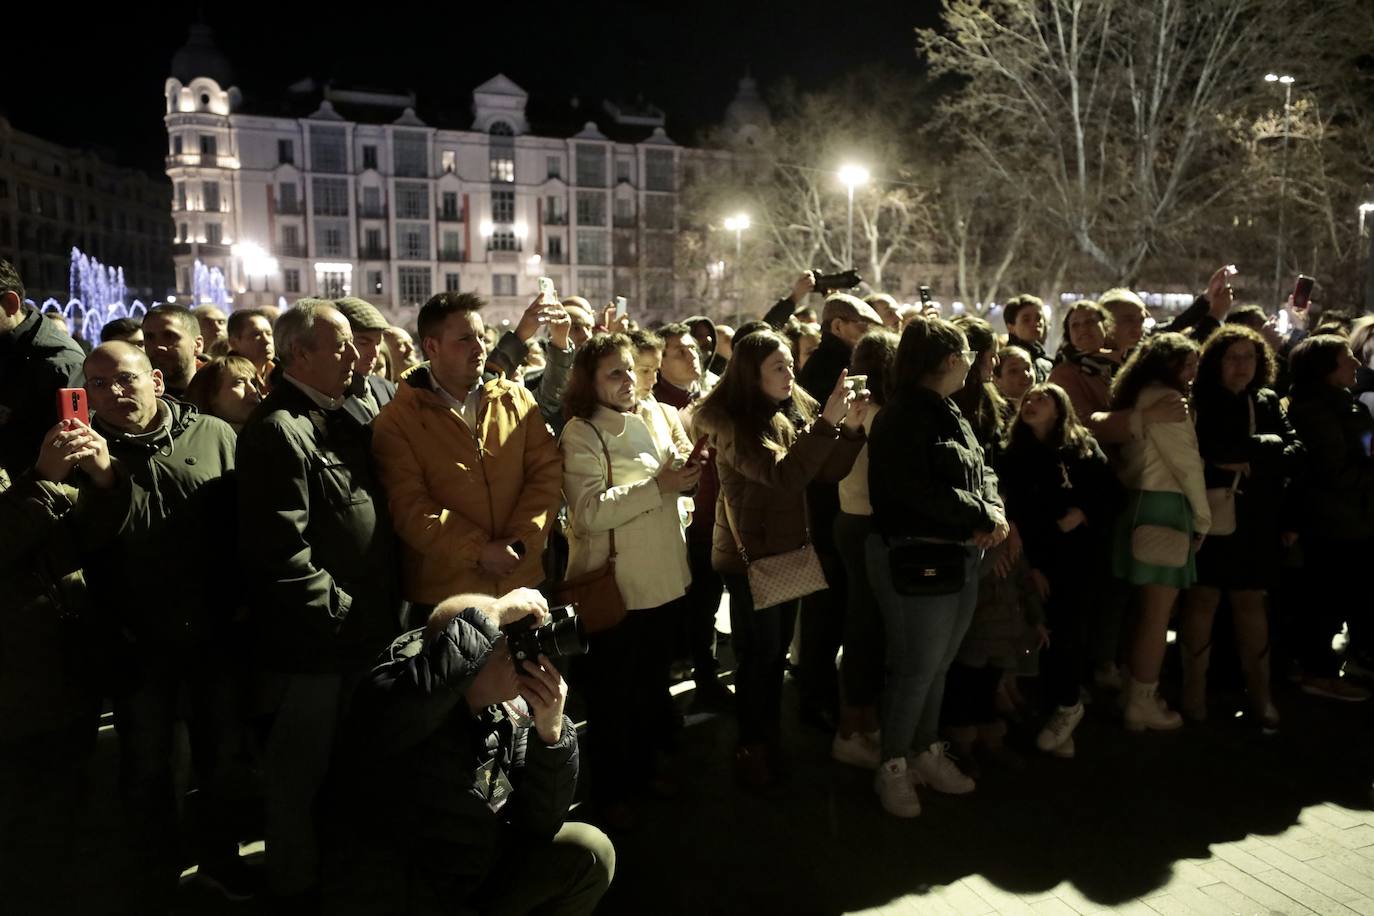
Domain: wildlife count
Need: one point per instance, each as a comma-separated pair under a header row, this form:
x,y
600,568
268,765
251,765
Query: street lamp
x,y
1287,82
1365,209
737,224
852,176
255,262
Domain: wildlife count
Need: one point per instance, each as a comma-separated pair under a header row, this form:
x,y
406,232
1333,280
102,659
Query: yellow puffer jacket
x,y
451,492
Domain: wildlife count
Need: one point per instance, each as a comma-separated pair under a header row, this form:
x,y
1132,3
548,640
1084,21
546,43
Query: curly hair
x,y
1214,351
579,398
1068,432
1159,359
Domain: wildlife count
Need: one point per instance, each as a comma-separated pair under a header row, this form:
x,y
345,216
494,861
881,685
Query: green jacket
x,y
317,545
151,540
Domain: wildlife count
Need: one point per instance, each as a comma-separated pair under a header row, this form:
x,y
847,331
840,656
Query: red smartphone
x,y
699,452
71,405
1302,292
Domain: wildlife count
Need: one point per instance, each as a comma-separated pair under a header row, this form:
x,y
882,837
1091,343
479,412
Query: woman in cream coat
x,y
1163,473
642,500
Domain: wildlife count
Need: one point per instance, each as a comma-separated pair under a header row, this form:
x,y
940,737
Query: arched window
x,y
502,129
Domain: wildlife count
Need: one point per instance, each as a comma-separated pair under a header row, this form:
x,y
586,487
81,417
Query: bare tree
x,y
1114,109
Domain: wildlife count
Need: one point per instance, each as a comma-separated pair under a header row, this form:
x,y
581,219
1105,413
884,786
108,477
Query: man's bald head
x,y
123,387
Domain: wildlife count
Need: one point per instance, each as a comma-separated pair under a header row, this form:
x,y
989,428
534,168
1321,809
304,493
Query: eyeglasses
x,y
125,381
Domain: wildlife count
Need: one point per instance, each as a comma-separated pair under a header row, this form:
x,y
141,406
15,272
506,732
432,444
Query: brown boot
x,y
1256,671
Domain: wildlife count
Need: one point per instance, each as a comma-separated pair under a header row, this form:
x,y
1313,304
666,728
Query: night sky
x,y
94,79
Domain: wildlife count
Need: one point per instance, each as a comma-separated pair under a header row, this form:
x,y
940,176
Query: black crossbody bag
x,y
925,568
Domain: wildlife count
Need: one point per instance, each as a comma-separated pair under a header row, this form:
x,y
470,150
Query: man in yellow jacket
x,y
472,474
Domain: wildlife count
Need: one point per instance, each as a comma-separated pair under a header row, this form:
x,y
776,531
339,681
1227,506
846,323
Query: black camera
x,y
561,637
829,283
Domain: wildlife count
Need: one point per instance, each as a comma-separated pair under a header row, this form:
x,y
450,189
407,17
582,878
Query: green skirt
x,y
1150,507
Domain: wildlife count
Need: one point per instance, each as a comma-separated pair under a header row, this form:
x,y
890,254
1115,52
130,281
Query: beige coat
x,y
1167,459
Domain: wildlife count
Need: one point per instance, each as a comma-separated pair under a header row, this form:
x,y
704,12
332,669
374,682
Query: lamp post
x,y
852,176
1287,82
1365,209
737,224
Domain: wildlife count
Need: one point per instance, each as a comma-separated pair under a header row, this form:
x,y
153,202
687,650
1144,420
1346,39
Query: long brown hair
x,y
739,406
1068,433
579,398
1158,359
980,402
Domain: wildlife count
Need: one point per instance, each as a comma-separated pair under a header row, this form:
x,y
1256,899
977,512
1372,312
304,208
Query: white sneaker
x,y
935,769
895,791
1065,751
857,750
1060,727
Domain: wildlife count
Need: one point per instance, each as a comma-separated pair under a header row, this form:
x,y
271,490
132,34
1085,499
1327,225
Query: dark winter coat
x,y
1337,482
36,359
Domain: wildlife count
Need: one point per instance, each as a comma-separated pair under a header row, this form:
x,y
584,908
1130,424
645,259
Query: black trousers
x,y
822,632
629,709
970,696
760,637
861,669
697,623
1336,594
1068,612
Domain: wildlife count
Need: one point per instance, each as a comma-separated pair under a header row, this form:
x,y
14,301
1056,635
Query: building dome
x,y
747,109
200,57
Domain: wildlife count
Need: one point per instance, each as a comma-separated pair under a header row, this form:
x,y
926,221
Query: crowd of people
x,y
910,513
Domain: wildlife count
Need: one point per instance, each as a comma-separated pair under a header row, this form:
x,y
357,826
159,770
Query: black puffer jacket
x,y
1337,484
414,828
36,359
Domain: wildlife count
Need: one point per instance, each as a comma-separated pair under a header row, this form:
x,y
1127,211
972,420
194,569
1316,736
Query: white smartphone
x,y
856,383
620,308
547,291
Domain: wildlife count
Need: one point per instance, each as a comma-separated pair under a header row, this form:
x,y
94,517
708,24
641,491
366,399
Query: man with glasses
x,y
166,625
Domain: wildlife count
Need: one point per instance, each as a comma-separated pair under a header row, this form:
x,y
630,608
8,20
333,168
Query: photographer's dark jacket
x,y
174,486
1337,483
926,473
418,822
36,359
316,542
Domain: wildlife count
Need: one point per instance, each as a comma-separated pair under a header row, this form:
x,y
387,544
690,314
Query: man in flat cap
x,y
369,392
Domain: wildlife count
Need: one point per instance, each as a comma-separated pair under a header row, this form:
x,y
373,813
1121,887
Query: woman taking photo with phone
x,y
771,440
935,510
624,477
1166,515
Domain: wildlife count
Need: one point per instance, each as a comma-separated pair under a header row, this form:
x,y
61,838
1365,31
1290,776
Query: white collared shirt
x,y
467,407
322,400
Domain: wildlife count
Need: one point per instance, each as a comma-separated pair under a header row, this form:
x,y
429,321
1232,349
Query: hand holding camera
x,y
546,692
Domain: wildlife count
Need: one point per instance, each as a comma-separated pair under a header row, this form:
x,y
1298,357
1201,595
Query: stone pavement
x,y
1210,819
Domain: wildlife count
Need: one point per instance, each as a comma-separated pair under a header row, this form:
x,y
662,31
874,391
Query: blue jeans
x,y
923,638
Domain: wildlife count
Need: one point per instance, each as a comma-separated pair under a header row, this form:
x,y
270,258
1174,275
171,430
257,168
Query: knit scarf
x,y
1095,364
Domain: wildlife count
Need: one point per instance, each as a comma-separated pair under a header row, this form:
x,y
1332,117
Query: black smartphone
x,y
925,294
1302,292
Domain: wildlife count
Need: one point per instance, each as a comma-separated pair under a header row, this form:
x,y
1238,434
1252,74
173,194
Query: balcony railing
x,y
372,212
502,257
624,222
556,257
292,209
451,254
556,219
449,216
289,251
367,253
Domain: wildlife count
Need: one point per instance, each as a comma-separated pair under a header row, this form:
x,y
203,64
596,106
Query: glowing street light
x,y
852,176
256,262
737,224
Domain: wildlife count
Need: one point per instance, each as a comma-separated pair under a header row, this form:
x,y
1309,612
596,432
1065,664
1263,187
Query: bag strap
x,y
610,477
734,532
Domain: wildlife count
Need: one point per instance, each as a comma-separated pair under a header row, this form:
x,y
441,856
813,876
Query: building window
x,y
503,170
25,203
412,241
624,211
372,202
286,152
207,145
209,196
181,195
452,246
591,208
591,285
214,234
448,161
450,205
555,166
330,196
289,203
591,165
328,152
412,200
185,235
623,249
658,211
503,206
369,157
176,145
293,280
553,210
658,170
503,240
414,284
291,240
333,284
331,238
503,284
451,283
660,249
372,246
591,247
555,246
622,170
410,153
374,281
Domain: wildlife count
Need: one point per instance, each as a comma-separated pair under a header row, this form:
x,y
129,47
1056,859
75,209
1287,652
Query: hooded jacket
x,y
171,482
451,491
36,359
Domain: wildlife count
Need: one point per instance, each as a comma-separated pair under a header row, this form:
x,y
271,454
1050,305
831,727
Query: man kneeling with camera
x,y
457,767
